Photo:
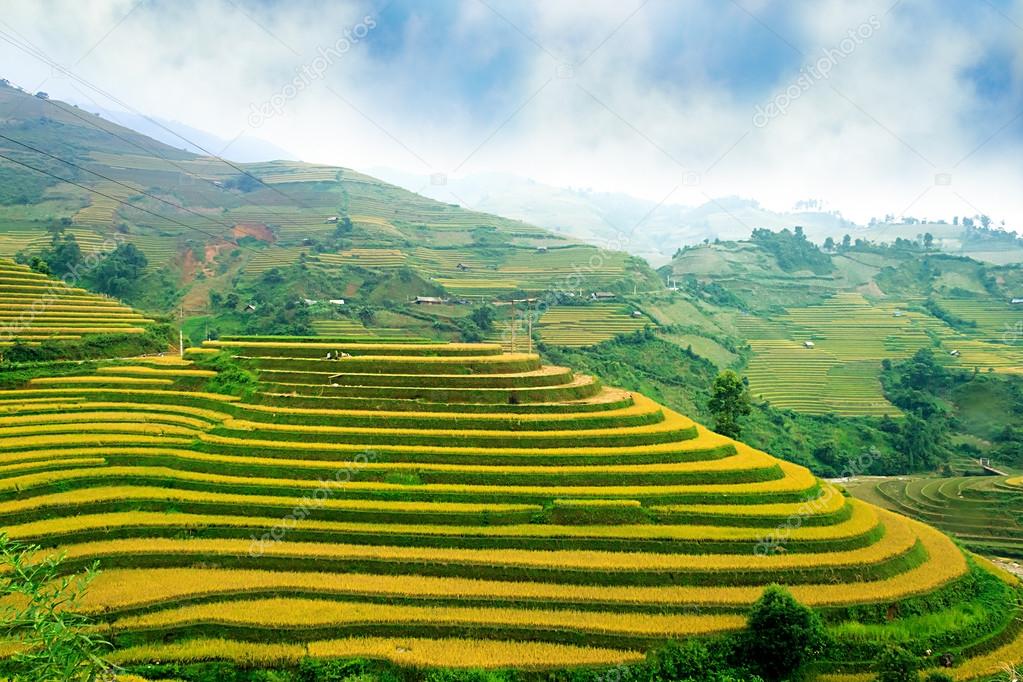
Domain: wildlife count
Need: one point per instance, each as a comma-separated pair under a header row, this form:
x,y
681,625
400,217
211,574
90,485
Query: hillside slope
x,y
210,221
407,501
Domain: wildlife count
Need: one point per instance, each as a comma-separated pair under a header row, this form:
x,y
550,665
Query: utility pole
x,y
529,323
512,322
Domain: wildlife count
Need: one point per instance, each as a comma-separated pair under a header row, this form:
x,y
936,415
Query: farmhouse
x,y
428,300
602,296
808,344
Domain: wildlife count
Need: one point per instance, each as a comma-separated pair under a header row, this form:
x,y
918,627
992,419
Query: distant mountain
x,y
243,148
655,231
209,223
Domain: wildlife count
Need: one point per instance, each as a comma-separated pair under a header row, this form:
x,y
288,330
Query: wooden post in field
x,y
512,319
529,323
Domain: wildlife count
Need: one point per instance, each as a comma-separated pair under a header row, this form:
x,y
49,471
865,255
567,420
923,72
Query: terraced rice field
x,y
272,257
984,512
342,327
565,268
284,172
851,336
996,320
34,308
366,258
437,504
101,211
35,240
588,325
159,250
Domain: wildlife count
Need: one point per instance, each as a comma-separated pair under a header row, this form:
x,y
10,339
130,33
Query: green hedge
x,y
390,365
281,469
407,493
298,351
524,457
415,380
420,405
744,577
496,396
483,439
758,520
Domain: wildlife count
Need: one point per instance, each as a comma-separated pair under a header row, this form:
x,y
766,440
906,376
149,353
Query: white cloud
x,y
643,109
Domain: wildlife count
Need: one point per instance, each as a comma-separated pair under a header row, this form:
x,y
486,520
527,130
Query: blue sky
x,y
657,98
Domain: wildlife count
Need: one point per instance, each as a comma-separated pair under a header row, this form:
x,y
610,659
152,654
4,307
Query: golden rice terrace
x,y
451,504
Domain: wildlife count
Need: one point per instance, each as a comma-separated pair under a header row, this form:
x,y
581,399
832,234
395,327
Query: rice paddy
x,y
588,325
34,308
424,501
825,359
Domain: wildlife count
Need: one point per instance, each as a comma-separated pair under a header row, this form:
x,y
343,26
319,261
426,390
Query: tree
x,y
344,228
898,665
40,611
118,273
928,240
729,402
483,317
61,257
366,316
829,244
781,634
846,241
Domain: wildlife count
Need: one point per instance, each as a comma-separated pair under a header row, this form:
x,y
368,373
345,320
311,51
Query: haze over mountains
x,y
656,231
652,230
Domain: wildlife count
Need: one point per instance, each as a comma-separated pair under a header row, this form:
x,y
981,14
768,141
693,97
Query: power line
x,y
40,55
119,201
144,149
122,184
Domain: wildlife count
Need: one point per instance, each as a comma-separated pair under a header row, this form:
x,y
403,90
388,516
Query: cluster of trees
x,y
950,318
914,386
793,250
243,183
117,273
477,324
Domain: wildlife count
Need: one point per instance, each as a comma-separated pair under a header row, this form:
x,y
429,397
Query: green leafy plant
x,y
39,612
898,665
729,402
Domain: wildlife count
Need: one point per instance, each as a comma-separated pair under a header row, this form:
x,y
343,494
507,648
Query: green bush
x,y
781,634
898,665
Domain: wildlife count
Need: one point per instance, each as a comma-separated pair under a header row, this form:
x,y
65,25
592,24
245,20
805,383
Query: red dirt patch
x,y
257,230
